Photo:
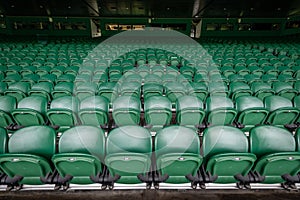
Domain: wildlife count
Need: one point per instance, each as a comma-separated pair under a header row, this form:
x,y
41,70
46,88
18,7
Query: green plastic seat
x,y
57,70
130,89
175,90
158,70
152,78
3,142
126,110
18,90
275,149
43,70
3,87
93,110
177,152
42,89
108,90
217,89
251,112
68,78
63,112
226,153
62,89
29,154
128,159
220,110
238,89
262,90
186,70
84,90
199,90
31,111
158,112
82,78
81,151
7,105
281,111
152,89
201,77
189,111
285,90
49,78
115,70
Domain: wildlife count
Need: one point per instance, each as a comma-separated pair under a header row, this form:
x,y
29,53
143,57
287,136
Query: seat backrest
x,y
65,102
3,141
223,139
37,140
248,102
188,102
270,139
275,102
7,103
215,102
83,139
36,103
127,103
139,137
176,139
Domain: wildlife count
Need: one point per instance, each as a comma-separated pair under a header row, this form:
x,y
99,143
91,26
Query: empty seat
x,y
130,89
108,90
275,149
251,112
42,89
158,112
62,89
281,111
29,154
81,151
128,159
198,89
7,105
84,90
238,89
262,90
152,89
93,110
174,90
220,110
18,90
226,153
285,90
63,112
31,111
217,88
126,110
177,152
189,111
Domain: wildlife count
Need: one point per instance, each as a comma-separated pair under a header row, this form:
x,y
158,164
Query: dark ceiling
x,y
151,8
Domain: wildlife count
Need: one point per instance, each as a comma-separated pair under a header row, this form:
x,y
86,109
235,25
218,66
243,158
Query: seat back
x,y
126,110
189,111
31,111
128,159
7,105
226,153
93,110
177,151
29,152
274,146
81,150
158,112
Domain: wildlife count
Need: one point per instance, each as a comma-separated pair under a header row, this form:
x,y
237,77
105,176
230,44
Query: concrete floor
x,y
153,194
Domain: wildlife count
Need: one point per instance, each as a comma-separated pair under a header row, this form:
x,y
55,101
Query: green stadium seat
x,y
31,111
42,89
275,149
29,154
238,89
177,152
158,70
81,151
217,88
63,112
43,70
130,89
62,89
93,110
128,160
226,153
18,90
262,90
198,89
175,90
126,110
152,89
84,90
7,105
158,112
108,90
251,112
285,90
220,110
3,87
189,111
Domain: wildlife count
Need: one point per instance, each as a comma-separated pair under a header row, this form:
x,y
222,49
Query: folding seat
x,y
51,78
108,90
262,90
158,70
237,78
3,87
217,89
242,70
113,70
282,112
271,70
201,78
86,70
189,111
3,143
31,111
133,78
125,159
7,105
11,79
11,70
174,90
152,78
72,69
238,89
251,112
285,90
186,70
62,89
30,78
158,112
18,90
84,90
227,71
115,78
256,70
43,89
220,110
29,155
93,110
152,89
275,149
69,78
43,70
63,112
81,151
177,152
226,153
269,78
28,70
126,110
57,70
198,89
168,78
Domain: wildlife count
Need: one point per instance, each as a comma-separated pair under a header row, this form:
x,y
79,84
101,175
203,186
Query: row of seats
x,y
86,156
